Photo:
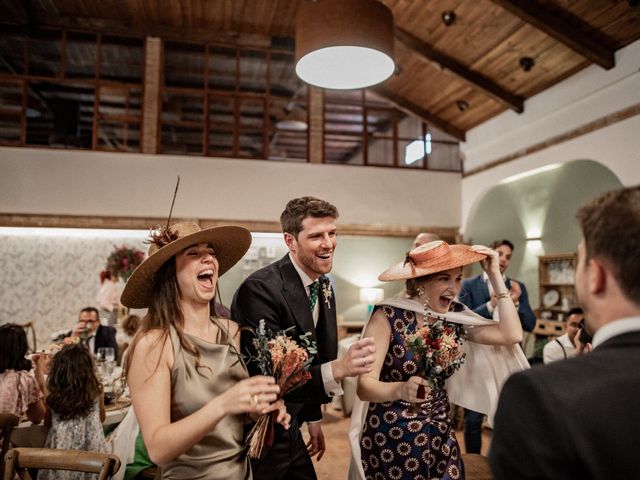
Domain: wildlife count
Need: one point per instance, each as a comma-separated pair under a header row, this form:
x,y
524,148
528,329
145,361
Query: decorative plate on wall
x,y
551,298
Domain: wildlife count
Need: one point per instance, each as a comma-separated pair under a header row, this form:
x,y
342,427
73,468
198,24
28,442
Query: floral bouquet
x,y
436,347
123,261
281,357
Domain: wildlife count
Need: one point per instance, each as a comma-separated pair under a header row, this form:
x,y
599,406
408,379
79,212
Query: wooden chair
x,y
20,459
476,467
151,473
7,423
31,332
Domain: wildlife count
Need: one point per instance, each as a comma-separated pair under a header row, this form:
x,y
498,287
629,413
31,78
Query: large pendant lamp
x,y
344,44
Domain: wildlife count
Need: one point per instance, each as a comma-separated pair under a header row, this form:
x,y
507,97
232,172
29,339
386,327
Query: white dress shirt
x,y
331,387
615,328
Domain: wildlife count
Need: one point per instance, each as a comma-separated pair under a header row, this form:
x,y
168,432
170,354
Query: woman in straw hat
x,y
189,386
405,431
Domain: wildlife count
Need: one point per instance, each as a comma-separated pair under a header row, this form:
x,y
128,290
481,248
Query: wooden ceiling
x,y
455,77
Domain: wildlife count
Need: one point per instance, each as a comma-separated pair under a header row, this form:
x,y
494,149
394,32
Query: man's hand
x,y
515,291
358,360
316,444
78,330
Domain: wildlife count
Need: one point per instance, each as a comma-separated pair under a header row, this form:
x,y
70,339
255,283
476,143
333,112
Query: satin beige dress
x,y
221,454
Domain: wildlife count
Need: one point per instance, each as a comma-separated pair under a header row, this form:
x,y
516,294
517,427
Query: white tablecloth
x,y
29,435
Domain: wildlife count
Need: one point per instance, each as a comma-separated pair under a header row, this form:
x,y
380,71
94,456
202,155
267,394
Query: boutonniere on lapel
x,y
327,293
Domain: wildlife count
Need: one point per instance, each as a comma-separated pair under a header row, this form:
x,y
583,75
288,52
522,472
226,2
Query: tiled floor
x,y
335,463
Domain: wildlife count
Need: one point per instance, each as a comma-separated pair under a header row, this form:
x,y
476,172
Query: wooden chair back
x,y
20,459
7,423
476,467
30,330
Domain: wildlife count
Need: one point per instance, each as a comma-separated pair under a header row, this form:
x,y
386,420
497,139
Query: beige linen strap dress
x,y
221,453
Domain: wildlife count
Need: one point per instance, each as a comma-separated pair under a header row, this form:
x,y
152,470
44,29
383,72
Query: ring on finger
x,y
254,400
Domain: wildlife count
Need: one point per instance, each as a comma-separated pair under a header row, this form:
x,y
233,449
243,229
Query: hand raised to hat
x,y
491,264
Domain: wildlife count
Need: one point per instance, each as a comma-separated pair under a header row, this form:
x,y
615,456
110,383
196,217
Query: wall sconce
x,y
344,44
371,296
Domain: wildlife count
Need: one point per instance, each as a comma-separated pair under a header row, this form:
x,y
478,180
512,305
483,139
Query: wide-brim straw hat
x,y
432,257
229,242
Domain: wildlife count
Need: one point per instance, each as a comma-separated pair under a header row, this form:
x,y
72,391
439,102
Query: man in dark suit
x,y
475,294
579,418
95,335
293,292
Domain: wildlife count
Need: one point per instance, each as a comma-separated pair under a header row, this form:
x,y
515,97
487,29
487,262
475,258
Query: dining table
x,y
28,434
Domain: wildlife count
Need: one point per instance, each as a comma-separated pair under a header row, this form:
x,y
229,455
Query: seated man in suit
x,y
475,294
579,418
96,335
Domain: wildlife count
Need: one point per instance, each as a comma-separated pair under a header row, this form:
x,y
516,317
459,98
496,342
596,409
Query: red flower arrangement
x,y
123,261
436,347
281,357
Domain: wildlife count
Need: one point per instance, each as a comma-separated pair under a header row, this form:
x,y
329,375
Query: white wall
x,y
41,181
587,96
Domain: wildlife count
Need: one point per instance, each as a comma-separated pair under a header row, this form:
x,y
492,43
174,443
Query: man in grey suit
x,y
579,418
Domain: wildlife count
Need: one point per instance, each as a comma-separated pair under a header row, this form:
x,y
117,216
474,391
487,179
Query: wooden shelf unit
x,y
556,272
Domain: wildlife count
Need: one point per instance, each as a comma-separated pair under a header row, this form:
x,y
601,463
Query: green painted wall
x,y
540,205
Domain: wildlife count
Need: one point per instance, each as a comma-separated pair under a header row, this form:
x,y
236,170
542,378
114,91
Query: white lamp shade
x,y
345,67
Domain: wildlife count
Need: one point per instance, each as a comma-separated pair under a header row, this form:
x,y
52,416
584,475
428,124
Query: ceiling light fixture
x,y
527,63
344,44
294,119
448,17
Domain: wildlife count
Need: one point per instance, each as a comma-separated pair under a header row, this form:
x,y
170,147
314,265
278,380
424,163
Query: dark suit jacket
x,y
276,294
475,295
576,418
106,337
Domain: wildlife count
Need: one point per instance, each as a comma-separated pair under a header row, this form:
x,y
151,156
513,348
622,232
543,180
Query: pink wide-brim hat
x,y
432,257
229,242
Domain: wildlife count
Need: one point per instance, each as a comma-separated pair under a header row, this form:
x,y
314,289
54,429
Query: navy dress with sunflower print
x,y
401,440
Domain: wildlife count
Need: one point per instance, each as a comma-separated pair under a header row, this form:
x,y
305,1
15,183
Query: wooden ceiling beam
x,y
413,109
427,53
100,25
553,25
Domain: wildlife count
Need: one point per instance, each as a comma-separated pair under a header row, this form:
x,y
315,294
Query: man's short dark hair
x,y
498,243
611,227
575,311
300,208
91,309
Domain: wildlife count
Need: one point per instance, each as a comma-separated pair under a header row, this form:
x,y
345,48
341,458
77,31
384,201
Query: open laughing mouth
x,y
324,256
205,278
445,301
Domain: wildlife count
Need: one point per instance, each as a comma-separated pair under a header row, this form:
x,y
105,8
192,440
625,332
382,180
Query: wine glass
x,y
109,354
101,353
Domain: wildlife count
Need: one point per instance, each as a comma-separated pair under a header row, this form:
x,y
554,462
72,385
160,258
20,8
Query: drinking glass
x,y
109,354
101,353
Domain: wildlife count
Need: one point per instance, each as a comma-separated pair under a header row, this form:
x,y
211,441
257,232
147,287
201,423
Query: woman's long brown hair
x,y
163,312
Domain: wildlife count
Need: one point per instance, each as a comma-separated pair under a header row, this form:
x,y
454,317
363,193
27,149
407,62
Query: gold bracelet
x,y
500,295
